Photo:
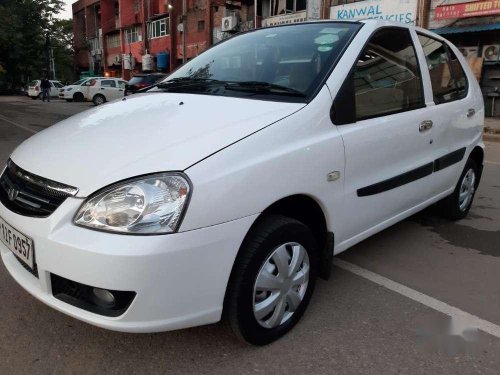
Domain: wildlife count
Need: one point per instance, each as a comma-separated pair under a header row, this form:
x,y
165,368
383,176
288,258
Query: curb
x,y
491,137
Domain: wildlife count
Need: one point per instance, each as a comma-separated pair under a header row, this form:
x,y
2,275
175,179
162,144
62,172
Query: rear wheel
x,y
272,280
78,97
457,205
99,99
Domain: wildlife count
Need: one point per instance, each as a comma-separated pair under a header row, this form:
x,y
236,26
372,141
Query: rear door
x,y
121,88
453,107
388,139
109,89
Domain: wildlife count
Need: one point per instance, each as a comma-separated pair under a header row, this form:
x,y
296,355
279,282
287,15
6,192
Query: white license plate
x,y
22,246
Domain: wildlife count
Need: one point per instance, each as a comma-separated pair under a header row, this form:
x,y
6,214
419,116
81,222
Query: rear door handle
x,y
425,125
471,112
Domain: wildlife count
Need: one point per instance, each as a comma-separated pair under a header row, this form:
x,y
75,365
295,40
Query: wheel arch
x,y
308,211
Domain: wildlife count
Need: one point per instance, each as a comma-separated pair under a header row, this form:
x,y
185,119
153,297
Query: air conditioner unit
x,y
491,52
469,52
229,23
92,53
118,59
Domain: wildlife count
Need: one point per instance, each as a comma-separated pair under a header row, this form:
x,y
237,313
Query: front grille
x,y
30,195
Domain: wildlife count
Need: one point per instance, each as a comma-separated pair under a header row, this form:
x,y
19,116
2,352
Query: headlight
x,y
69,89
151,204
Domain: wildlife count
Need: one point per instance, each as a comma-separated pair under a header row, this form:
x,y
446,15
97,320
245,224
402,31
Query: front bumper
x,y
180,279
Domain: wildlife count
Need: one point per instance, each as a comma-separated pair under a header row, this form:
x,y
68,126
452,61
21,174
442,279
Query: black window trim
x,y
448,49
350,76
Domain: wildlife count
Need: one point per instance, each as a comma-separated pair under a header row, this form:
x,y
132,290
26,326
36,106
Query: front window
x,y
288,61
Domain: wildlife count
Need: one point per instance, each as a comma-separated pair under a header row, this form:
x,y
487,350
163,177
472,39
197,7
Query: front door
x,y
389,146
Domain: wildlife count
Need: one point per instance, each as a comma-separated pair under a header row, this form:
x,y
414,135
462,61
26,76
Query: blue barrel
x,y
162,60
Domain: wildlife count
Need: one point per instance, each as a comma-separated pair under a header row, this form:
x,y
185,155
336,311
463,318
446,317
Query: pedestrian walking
x,y
45,86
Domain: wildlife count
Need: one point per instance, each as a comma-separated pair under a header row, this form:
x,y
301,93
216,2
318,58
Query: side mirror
x,y
343,110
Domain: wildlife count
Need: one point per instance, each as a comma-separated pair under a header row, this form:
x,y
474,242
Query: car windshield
x,y
33,83
286,62
79,82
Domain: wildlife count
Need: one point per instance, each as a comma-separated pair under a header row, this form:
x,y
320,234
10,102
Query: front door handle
x,y
471,112
425,125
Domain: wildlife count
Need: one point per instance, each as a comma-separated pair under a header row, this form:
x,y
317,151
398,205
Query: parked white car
x,y
231,185
101,91
35,92
77,91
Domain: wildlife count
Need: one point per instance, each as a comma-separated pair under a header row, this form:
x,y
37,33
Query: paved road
x,y
353,326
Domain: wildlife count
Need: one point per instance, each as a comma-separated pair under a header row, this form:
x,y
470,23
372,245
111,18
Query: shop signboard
x,y
404,11
472,9
284,19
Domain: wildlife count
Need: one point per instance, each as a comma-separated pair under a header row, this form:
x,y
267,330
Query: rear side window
x,y
387,76
448,78
108,83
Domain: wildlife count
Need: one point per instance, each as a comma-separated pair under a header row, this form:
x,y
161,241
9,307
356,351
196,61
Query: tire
x,y
99,99
69,100
40,96
254,262
78,97
455,207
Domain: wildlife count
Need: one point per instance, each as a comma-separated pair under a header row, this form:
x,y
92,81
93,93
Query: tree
x,y
25,28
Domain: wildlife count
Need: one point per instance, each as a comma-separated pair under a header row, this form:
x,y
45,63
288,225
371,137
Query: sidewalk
x,y
492,129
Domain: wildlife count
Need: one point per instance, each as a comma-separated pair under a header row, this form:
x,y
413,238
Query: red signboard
x,y
473,9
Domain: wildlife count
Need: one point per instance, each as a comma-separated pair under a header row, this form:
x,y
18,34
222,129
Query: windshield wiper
x,y
187,81
264,87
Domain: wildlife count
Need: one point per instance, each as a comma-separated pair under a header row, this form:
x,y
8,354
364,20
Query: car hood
x,y
151,132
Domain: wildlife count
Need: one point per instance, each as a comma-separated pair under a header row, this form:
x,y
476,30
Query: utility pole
x,y
254,14
52,63
184,24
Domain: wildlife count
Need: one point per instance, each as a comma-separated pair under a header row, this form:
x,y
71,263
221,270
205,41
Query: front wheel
x,y
457,205
78,97
272,280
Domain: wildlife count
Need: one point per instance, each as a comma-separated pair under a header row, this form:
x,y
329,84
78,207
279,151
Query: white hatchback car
x,y
78,90
35,92
231,185
101,91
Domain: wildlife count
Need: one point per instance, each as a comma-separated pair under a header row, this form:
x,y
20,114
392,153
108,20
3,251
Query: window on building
x,y
387,77
201,25
133,35
158,28
113,40
448,79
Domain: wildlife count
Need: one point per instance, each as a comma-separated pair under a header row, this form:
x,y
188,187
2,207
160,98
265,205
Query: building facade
x,y
126,37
